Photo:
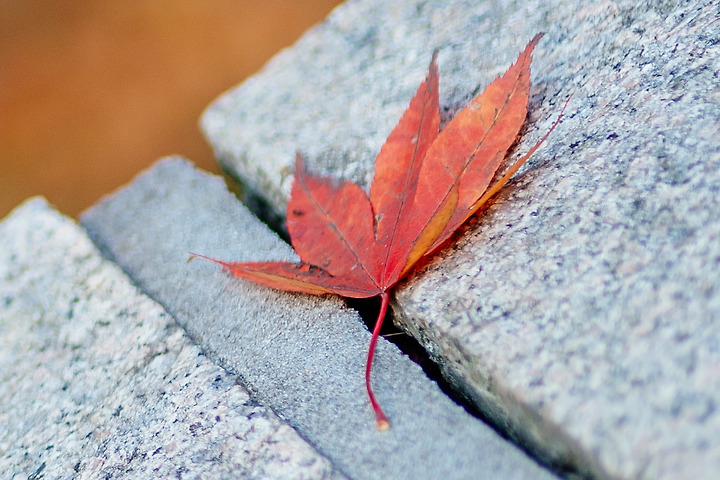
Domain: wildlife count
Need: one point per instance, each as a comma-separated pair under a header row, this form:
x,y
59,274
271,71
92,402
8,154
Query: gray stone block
x,y
336,95
581,308
97,381
304,356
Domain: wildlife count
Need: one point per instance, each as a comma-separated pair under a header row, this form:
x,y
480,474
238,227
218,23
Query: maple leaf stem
x,y
424,189
381,420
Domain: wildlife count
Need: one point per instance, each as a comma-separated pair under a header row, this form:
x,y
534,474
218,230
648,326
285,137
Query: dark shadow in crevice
x,y
257,204
369,308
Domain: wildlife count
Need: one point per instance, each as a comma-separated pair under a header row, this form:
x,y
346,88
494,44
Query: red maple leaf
x,y
427,183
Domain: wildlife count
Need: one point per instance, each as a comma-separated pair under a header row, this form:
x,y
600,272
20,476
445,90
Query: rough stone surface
x,y
304,356
97,381
582,310
337,94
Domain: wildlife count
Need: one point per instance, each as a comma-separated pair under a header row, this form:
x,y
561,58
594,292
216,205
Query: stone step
x,y
581,310
98,381
300,355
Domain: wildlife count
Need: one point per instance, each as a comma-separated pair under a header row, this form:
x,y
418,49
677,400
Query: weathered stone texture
x,y
301,355
581,310
97,381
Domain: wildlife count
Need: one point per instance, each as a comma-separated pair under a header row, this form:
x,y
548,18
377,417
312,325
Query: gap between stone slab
x,y
369,308
255,203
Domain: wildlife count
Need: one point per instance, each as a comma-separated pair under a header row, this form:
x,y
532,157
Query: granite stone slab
x,y
98,381
336,95
301,355
581,310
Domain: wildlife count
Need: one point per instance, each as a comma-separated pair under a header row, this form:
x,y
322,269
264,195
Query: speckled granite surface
x,y
582,309
336,95
97,381
589,294
303,356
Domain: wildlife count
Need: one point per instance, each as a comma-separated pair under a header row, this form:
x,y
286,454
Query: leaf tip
x,y
531,46
194,255
225,266
299,162
433,61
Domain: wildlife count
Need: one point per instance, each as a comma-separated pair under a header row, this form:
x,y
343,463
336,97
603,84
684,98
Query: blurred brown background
x,y
93,91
